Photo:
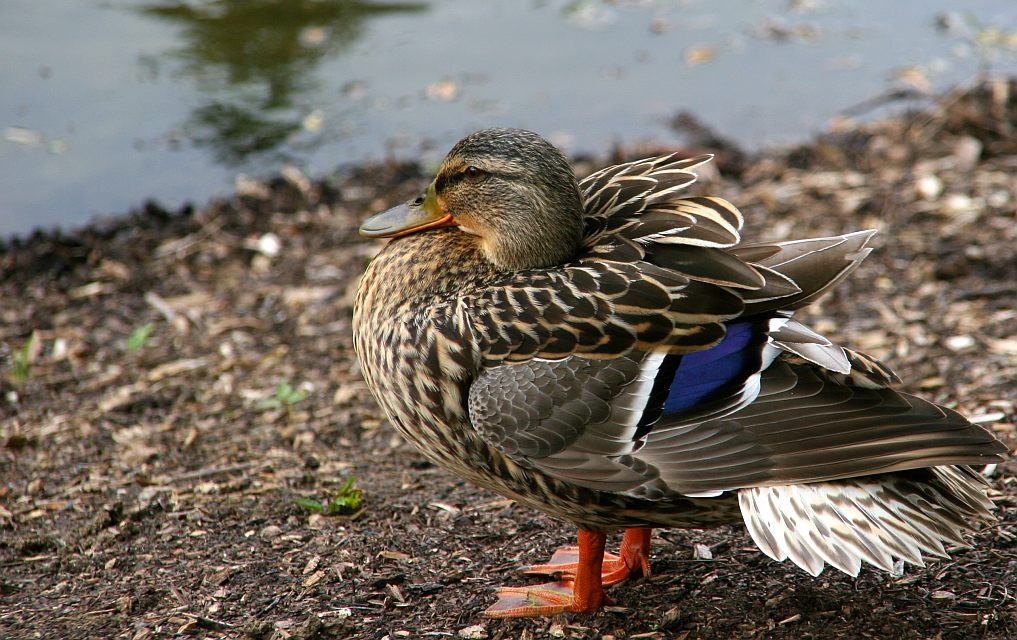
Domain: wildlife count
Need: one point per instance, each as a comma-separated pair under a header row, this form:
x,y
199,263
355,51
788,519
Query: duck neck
x,y
420,271
413,344
407,309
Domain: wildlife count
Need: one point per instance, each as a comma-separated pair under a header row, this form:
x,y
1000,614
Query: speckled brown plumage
x,y
425,376
613,354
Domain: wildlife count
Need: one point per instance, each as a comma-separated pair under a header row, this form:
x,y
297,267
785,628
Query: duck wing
x,y
664,363
654,273
731,417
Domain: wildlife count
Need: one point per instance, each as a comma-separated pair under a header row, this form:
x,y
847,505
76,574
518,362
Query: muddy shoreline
x,y
171,381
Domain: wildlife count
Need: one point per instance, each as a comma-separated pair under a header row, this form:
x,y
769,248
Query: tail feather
x,y
875,518
815,266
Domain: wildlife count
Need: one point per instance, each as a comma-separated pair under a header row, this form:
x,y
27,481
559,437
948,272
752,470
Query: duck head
x,y
511,189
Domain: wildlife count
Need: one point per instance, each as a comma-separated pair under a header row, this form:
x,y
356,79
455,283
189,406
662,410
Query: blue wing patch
x,y
688,381
705,374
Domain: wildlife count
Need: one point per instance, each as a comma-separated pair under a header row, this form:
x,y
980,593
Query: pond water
x,y
104,104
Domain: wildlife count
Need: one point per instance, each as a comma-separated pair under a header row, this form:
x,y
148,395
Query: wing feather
x,y
660,276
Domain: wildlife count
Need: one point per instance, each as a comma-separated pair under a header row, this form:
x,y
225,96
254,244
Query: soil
x,y
148,482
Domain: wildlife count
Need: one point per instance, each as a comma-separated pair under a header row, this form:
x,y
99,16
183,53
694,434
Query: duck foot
x,y
633,559
585,570
584,594
543,600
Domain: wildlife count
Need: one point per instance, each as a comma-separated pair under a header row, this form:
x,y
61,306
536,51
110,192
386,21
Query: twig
x,y
208,623
213,471
182,246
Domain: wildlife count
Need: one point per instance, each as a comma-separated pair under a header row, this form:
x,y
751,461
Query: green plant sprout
x,y
286,395
139,337
21,372
347,500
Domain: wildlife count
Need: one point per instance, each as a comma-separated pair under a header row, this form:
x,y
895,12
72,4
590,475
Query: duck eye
x,y
473,172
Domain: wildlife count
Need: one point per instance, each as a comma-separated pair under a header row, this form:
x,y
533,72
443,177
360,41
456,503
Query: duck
x,y
612,353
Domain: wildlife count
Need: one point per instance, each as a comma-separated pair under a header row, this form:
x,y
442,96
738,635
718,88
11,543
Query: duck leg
x,y
581,592
633,559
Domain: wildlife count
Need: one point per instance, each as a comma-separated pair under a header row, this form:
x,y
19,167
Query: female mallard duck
x,y
610,353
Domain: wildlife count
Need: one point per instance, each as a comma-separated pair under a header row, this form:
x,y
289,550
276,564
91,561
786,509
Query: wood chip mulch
x,y
171,381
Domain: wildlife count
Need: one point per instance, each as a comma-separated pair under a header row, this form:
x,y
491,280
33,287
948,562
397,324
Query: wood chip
x,y
313,579
176,367
476,632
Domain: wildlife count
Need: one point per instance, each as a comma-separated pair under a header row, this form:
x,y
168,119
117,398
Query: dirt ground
x,y
147,482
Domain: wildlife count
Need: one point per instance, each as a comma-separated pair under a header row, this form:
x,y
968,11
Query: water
x,y
106,104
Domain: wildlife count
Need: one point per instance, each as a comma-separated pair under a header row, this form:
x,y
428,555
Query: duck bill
x,y
422,213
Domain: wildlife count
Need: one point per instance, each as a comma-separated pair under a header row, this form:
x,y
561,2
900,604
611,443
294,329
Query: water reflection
x,y
253,61
127,100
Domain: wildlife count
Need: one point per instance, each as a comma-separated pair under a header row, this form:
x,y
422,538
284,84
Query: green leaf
x,y
309,504
23,357
285,397
347,500
139,337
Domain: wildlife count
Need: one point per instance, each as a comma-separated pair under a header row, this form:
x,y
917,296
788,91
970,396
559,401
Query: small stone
x,y
929,187
271,531
269,245
958,203
959,343
59,349
998,199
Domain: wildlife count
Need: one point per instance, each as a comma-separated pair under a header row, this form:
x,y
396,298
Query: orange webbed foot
x,y
541,600
584,570
633,559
